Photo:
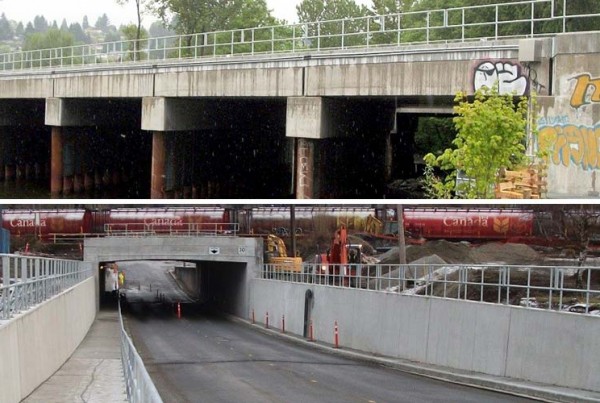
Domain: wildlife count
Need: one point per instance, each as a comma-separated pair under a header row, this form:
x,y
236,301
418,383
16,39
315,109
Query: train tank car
x,y
166,219
44,223
468,224
276,220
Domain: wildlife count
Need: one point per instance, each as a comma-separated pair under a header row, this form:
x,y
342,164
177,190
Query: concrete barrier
x,y
555,348
35,344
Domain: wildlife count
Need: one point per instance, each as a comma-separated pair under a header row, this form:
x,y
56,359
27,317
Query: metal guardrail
x,y
548,287
27,281
492,21
135,230
140,387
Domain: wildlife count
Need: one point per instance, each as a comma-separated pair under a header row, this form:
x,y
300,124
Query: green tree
x,y
6,31
102,22
138,8
78,33
137,40
434,135
331,18
388,19
85,23
20,30
29,29
46,42
187,17
40,24
491,135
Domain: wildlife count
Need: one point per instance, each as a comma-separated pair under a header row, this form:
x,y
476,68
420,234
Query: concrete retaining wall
x,y
189,277
547,347
34,345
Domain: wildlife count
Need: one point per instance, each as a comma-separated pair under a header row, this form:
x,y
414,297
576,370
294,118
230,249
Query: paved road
x,y
150,281
205,358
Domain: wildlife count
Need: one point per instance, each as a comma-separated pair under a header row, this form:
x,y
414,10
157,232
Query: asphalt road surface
x,y
203,357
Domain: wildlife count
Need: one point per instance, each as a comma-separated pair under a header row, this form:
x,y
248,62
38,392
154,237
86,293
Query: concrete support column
x,y
158,165
305,169
389,159
56,164
308,120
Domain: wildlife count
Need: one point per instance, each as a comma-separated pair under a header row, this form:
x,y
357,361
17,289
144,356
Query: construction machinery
x,y
276,255
341,264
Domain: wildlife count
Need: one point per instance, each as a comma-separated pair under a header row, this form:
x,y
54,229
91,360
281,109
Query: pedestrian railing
x,y
140,387
28,280
548,287
526,18
135,230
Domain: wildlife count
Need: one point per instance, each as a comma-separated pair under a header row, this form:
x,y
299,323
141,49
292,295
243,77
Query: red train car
x,y
42,223
464,224
164,219
261,220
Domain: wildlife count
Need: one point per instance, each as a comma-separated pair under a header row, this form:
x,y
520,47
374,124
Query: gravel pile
x,y
465,253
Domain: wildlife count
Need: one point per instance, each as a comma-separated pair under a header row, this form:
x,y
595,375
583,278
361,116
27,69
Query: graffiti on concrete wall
x,y
570,144
586,91
509,76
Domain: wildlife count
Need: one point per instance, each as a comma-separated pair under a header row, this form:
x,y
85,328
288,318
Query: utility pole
x,y
401,239
293,228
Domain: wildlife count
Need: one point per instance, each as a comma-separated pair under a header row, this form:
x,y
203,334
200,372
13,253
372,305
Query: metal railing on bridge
x,y
576,289
526,18
28,280
135,230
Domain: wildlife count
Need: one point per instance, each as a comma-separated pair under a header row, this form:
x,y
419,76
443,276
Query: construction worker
x,y
121,278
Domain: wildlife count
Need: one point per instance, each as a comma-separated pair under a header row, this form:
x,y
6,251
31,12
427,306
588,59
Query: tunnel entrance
x,y
209,286
418,131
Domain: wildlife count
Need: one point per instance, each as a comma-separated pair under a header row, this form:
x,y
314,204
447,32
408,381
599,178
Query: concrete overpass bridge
x,y
317,110
541,347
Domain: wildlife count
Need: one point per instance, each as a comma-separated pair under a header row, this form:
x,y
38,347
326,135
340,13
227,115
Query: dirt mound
x,y
465,253
449,252
509,253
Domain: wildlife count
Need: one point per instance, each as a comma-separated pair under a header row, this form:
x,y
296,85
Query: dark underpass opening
x,y
173,287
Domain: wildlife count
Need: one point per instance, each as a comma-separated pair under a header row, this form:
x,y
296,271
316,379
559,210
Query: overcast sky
x,y
74,10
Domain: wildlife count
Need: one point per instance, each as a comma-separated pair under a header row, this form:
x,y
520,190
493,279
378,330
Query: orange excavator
x,y
340,265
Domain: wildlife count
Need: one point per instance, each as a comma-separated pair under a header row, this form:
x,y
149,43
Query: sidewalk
x,y
94,373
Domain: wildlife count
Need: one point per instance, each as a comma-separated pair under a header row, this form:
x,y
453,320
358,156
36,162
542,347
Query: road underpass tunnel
x,y
194,285
418,130
223,286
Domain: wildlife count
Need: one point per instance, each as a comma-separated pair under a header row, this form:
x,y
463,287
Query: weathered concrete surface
x,y
134,83
569,121
35,344
19,87
258,79
434,70
177,114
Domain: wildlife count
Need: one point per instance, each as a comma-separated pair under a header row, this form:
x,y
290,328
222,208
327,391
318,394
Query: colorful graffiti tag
x,y
587,90
572,145
507,74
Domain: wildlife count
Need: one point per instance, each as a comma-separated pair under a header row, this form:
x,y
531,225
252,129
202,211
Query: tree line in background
x,y
186,17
